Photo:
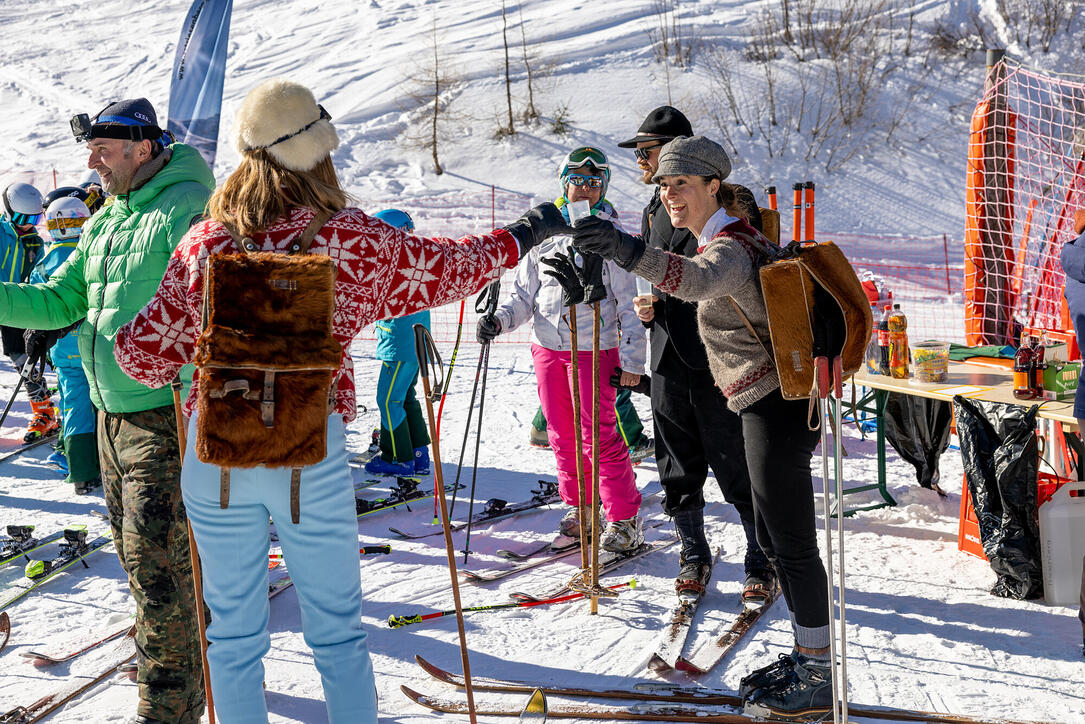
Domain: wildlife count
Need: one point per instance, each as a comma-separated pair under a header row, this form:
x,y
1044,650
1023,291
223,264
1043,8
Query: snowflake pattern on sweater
x,y
382,272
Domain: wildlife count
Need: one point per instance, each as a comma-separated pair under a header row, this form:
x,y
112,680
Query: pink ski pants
x,y
617,483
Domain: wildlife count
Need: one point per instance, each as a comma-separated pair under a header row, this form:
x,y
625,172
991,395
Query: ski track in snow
x,y
922,630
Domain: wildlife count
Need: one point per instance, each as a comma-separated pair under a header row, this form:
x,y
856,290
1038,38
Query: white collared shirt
x,y
715,223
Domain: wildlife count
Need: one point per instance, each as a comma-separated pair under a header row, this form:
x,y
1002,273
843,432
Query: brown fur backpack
x,y
816,308
267,360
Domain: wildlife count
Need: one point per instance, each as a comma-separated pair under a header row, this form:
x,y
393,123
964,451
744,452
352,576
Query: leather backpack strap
x,y
298,246
753,333
301,246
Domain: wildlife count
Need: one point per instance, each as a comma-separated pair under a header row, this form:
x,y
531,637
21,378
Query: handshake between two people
x,y
590,234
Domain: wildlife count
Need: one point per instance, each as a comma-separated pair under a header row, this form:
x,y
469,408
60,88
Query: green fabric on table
x,y
960,352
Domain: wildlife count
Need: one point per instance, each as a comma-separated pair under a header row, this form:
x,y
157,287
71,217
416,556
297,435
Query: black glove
x,y
537,225
644,386
599,236
579,284
488,328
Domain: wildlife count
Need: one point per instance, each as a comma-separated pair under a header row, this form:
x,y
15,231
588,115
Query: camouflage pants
x,y
141,476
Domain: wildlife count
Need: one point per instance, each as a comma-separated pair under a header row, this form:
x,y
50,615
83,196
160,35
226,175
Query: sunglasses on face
x,y
642,153
593,182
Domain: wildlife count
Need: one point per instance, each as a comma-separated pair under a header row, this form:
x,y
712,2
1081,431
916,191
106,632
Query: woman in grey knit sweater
x,y
779,443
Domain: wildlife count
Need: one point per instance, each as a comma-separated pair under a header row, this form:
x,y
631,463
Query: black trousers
x,y
694,430
779,445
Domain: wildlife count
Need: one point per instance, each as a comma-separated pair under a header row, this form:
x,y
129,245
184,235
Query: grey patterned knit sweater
x,y
726,266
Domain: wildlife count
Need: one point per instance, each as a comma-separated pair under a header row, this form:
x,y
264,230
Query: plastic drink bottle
x,y
898,343
1022,374
873,355
883,342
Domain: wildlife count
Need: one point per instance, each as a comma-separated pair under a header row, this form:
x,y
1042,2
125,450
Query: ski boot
x,y
44,422
380,466
766,676
85,487
58,459
421,461
642,449
805,695
538,438
569,527
695,560
759,588
622,536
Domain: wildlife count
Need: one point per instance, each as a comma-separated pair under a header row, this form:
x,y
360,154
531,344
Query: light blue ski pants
x,y
321,555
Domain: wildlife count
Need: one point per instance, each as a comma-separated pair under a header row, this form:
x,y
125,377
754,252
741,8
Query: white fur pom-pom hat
x,y
283,117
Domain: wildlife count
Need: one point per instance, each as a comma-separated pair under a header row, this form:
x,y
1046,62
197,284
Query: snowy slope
x,y
923,632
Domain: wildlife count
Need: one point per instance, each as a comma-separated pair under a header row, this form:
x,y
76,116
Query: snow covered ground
x,y
923,631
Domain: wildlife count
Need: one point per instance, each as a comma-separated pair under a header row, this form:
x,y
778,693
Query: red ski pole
x,y
808,203
796,212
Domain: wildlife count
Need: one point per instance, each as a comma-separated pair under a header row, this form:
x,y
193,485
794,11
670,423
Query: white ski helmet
x,y
65,218
22,204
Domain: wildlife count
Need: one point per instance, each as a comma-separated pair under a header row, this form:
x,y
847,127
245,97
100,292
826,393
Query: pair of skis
x,y
75,549
643,702
546,494
123,653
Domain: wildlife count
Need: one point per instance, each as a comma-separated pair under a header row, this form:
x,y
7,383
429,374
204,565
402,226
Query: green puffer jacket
x,y
114,272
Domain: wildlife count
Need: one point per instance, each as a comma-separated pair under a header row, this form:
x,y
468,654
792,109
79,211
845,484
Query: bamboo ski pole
x,y
595,456
194,559
424,347
581,488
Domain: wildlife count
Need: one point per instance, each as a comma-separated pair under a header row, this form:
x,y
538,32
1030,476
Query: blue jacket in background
x,y
15,257
395,337
65,353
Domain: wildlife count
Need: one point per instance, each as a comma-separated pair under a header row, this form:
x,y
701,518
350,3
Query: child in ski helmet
x,y
538,296
403,434
20,247
78,454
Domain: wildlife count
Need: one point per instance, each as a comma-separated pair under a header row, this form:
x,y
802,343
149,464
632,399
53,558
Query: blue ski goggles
x,y
26,219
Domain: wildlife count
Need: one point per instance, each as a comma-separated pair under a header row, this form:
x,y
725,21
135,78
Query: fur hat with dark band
x,y
283,118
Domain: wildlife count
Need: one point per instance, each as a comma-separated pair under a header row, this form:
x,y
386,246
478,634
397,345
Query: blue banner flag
x,y
199,70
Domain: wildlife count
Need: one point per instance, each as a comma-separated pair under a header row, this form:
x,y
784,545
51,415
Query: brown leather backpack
x,y
816,308
267,360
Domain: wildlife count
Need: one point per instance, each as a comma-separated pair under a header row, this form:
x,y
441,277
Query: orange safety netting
x,y
1026,176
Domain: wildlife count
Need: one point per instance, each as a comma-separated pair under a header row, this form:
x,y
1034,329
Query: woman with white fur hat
x,y
284,180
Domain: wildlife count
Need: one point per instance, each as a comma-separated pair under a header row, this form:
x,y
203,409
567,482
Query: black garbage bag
x,y
918,429
1001,463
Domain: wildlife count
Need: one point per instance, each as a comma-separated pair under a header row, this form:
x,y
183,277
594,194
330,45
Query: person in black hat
x,y
694,430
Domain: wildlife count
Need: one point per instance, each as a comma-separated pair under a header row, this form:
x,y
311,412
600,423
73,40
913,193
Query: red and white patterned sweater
x,y
382,272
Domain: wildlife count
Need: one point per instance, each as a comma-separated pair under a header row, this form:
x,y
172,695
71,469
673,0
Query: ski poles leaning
x,y
829,381
428,356
485,304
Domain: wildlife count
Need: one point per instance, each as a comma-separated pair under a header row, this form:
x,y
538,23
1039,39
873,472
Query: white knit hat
x,y
283,117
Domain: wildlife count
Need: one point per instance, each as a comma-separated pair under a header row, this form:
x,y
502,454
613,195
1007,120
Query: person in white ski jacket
x,y
537,296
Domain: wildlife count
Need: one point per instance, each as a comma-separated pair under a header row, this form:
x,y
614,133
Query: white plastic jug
x,y
1062,541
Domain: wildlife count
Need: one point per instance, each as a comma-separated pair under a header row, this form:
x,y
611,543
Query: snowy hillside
x,y
923,631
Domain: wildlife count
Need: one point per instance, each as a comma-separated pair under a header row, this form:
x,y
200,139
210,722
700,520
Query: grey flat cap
x,y
694,156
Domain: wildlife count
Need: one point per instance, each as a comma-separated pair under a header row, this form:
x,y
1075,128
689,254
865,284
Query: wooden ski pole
x,y
595,456
581,488
424,347
194,559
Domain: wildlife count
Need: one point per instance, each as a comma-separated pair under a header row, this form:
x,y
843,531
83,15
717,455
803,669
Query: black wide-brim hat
x,y
662,124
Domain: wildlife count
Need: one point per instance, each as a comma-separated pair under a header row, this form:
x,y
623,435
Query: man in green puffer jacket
x,y
159,191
